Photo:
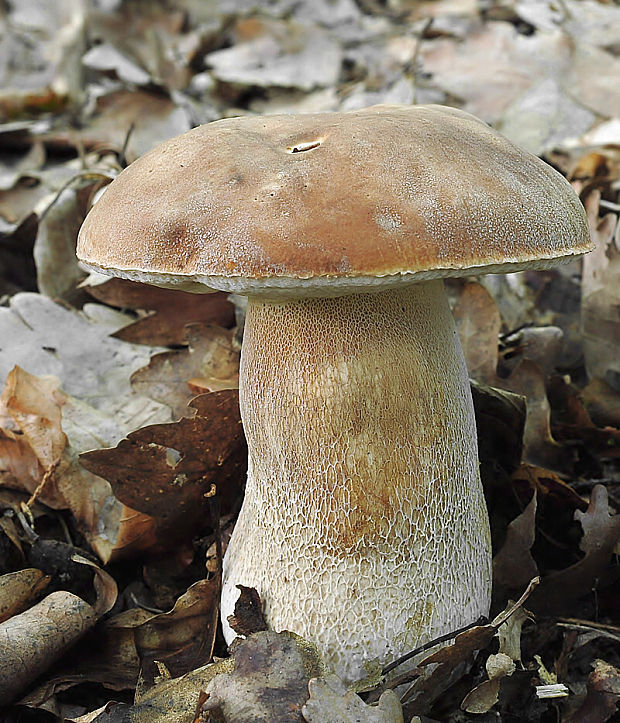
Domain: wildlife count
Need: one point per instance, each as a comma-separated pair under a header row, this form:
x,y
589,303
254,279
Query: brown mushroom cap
x,y
333,202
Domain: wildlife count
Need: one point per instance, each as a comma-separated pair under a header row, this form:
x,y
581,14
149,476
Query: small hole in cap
x,y
307,146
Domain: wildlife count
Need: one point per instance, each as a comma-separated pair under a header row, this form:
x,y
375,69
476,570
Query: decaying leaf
x,y
330,702
248,617
170,310
166,470
514,566
280,53
183,638
18,589
31,641
603,696
210,363
601,297
478,323
45,338
42,431
601,533
269,680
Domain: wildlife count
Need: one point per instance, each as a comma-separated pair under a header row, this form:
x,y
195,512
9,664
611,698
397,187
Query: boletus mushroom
x,y
364,526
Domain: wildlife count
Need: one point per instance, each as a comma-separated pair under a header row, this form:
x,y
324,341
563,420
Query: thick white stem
x,y
364,527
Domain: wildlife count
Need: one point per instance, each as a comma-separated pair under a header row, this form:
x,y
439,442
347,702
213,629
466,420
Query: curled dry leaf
x,y
58,273
166,470
248,617
45,338
500,421
478,324
330,702
210,362
31,641
170,310
39,457
183,638
19,589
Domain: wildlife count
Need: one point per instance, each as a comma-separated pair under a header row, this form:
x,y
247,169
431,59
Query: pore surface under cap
x,y
260,202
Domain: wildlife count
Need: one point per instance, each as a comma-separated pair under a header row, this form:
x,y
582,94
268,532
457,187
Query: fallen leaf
x,y
478,323
31,641
43,337
269,680
601,702
166,470
280,53
248,617
514,566
42,432
170,310
601,533
18,589
58,273
209,363
601,298
330,702
183,638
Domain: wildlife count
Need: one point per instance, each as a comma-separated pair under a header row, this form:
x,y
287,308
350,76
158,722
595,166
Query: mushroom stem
x,y
364,526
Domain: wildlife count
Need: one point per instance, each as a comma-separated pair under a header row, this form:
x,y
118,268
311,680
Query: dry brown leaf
x,y
514,566
269,681
38,457
210,363
603,696
46,338
281,53
539,446
183,638
19,589
500,421
330,702
166,470
478,323
31,641
604,443
601,533
601,297
58,273
248,617
170,310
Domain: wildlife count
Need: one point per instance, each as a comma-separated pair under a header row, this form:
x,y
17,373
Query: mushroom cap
x,y
333,203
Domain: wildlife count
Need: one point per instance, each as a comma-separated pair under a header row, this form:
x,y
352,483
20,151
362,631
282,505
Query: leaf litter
x,y
91,459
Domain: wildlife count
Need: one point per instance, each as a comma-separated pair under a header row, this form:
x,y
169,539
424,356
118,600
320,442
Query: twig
x,y
49,474
431,643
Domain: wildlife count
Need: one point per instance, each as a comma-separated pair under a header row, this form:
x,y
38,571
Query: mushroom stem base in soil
x,y
364,526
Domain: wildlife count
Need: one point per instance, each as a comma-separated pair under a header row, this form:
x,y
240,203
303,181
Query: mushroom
x,y
364,526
